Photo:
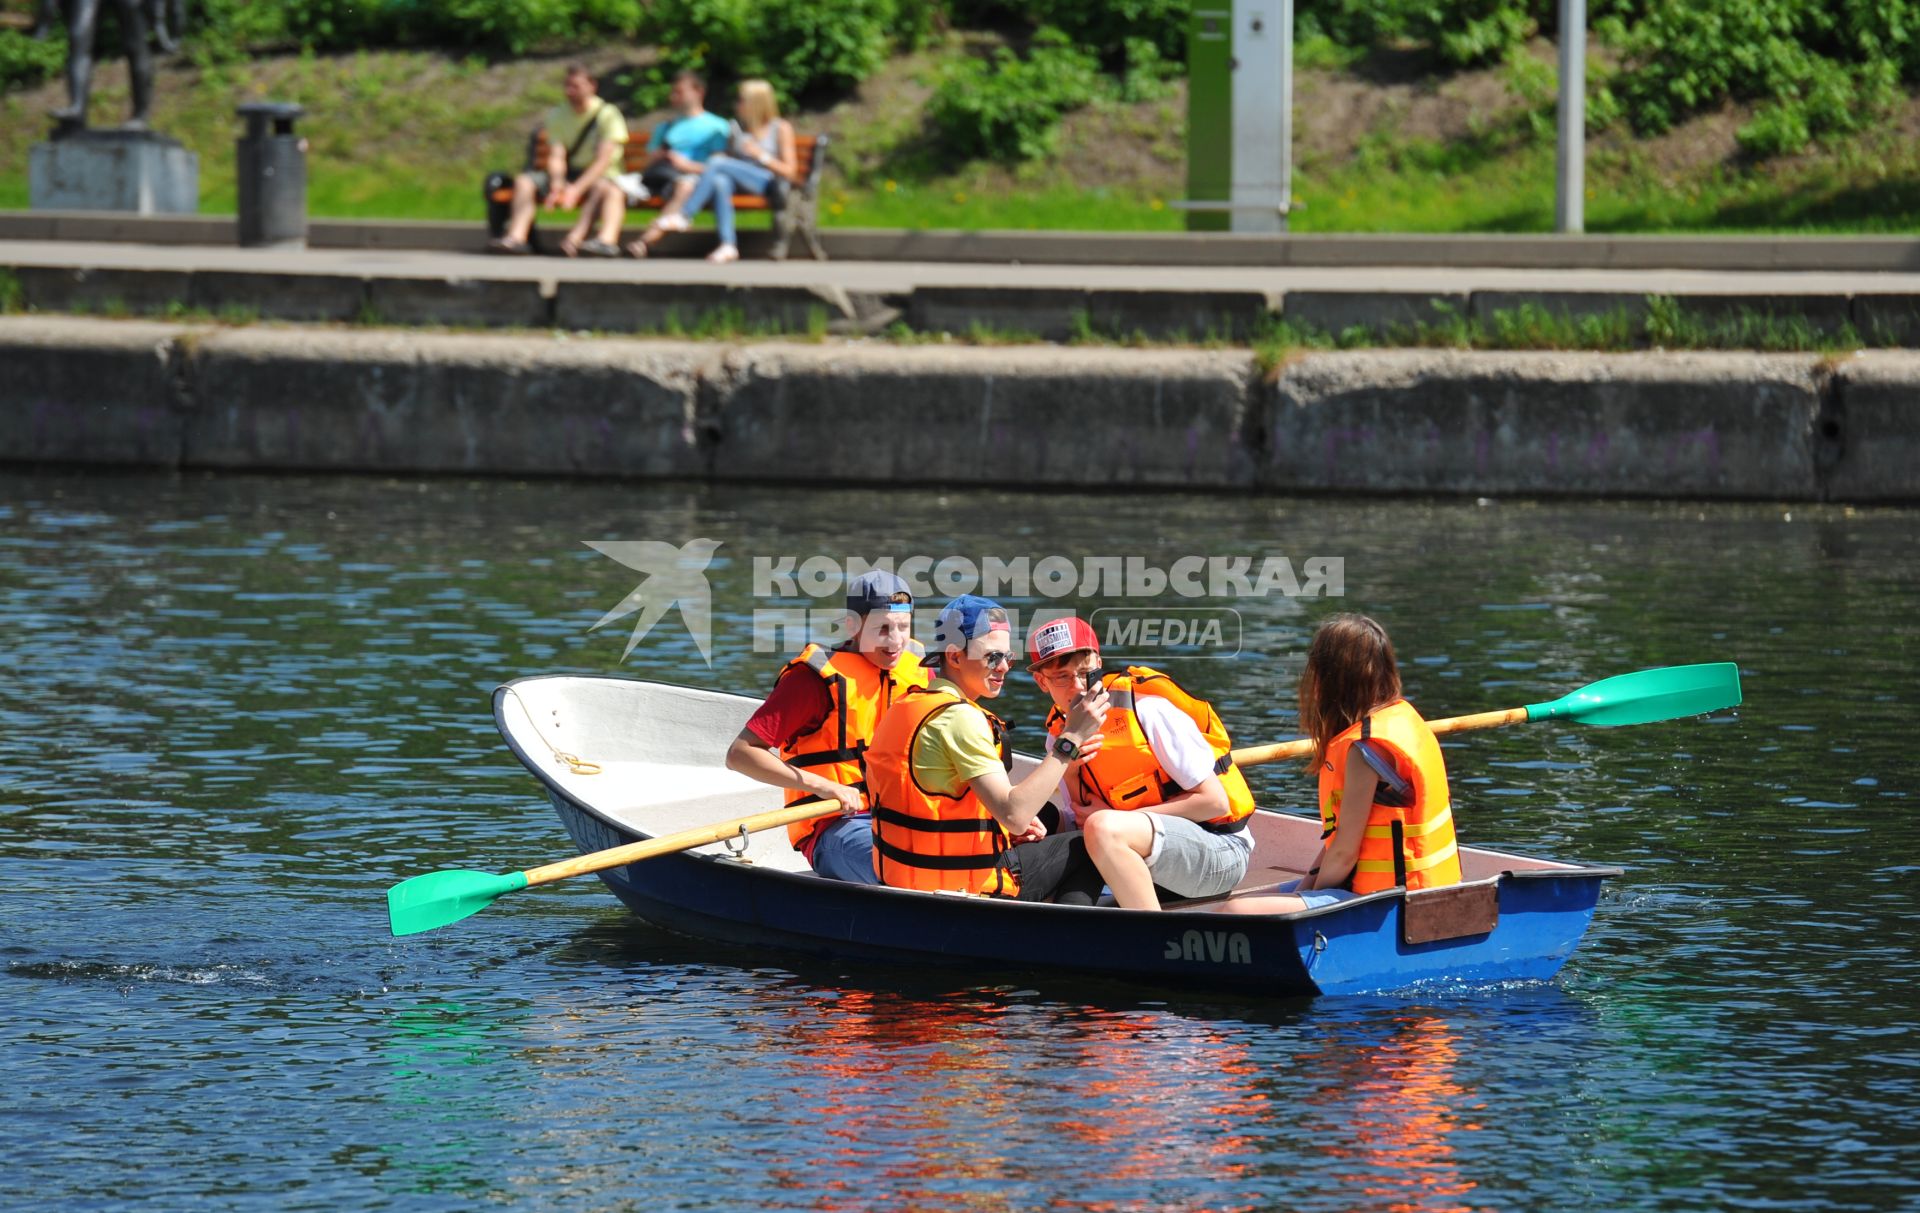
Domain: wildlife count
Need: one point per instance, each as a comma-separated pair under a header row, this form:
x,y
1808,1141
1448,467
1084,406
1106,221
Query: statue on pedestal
x,y
129,167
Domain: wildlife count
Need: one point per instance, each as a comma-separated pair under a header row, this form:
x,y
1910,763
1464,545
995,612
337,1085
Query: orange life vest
x,y
1409,844
924,839
861,693
1126,775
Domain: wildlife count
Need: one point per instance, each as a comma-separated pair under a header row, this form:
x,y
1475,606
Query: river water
x,y
237,708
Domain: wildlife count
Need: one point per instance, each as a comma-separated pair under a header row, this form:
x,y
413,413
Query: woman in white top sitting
x,y
760,151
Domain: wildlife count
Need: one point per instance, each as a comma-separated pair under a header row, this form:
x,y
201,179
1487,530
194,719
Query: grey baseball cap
x,y
874,590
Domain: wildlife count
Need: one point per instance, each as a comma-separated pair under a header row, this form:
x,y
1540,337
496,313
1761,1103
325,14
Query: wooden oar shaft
x,y
1303,748
685,840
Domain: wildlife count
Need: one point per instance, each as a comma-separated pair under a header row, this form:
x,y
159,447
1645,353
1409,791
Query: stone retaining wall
x,y
1706,425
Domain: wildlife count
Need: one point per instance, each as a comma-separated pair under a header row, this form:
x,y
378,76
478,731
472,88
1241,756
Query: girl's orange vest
x,y
861,693
1125,774
923,839
1412,844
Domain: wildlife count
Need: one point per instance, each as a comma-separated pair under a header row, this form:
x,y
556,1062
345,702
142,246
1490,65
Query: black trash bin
x,y
272,163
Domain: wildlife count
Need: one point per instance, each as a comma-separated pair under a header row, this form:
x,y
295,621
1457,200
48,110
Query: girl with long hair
x,y
760,151
1385,811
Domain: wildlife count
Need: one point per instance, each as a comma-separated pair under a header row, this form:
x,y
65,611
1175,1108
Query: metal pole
x,y
1570,194
1286,112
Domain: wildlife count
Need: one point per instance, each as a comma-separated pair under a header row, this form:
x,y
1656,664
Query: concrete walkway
x,y
903,277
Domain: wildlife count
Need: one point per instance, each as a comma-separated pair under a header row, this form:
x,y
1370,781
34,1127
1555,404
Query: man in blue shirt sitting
x,y
678,152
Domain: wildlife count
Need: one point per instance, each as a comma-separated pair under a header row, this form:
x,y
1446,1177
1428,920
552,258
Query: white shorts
x,y
1190,860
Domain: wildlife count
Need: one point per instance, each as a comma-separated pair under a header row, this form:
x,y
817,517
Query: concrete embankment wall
x,y
1707,425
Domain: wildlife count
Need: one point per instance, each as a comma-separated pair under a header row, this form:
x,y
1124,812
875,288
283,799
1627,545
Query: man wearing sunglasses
x,y
1157,796
947,815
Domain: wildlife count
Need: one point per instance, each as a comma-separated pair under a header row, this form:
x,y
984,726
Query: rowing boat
x,y
625,760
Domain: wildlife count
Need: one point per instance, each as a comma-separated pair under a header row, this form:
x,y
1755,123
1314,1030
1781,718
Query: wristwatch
x,y
1065,748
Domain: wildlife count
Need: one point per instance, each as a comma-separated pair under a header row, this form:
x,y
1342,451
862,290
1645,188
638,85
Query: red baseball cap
x,y
1069,634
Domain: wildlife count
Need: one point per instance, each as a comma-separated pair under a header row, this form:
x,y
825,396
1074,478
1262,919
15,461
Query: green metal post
x,y
1210,112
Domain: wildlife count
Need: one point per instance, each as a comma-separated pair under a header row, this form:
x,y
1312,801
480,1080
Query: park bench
x,y
795,207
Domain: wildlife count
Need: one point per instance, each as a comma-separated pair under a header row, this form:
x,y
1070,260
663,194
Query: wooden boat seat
x,y
659,798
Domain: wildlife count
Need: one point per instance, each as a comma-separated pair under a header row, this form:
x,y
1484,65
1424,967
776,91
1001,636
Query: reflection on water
x,y
1405,1109
443,1086
236,709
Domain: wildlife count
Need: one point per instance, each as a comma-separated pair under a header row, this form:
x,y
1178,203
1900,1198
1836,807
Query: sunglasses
x,y
1063,676
996,661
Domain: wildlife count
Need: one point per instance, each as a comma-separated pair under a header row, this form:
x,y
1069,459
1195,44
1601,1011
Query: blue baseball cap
x,y
874,589
965,619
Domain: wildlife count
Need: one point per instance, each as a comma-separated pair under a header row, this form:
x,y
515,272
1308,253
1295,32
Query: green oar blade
x,y
438,898
1648,695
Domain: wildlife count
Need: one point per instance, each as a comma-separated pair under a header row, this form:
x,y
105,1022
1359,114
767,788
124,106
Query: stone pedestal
x,y
114,170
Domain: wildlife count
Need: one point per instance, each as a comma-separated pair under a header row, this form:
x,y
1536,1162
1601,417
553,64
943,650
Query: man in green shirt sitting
x,y
947,814
584,137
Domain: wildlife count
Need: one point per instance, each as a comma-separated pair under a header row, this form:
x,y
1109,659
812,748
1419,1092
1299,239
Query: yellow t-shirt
x,y
582,134
955,747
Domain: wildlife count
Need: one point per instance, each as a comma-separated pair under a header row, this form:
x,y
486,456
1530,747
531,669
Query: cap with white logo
x,y
1069,634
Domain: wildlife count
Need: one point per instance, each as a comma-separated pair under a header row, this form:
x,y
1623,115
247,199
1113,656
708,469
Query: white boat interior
x,y
652,757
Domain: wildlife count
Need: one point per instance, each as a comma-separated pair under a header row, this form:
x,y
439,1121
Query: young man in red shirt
x,y
811,735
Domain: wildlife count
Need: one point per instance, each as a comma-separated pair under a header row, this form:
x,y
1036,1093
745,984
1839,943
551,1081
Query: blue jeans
x,y
1315,898
724,177
845,850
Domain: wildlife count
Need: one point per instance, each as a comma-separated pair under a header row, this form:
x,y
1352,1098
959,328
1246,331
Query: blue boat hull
x,y
1356,947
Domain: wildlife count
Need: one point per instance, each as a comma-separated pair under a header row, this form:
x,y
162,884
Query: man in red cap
x,y
1156,793
947,814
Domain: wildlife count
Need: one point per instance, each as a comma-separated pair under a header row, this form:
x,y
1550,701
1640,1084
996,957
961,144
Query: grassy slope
x,y
1381,145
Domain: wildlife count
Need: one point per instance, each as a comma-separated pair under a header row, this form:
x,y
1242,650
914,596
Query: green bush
x,y
1814,68
224,31
1460,33
1009,109
805,48
339,24
1473,32
1105,27
1147,72
24,61
509,27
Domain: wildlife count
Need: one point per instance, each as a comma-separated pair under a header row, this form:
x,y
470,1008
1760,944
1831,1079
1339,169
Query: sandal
x,y
502,246
569,247
658,228
598,248
724,254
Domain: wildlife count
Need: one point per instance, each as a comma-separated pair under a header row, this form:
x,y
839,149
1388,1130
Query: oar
x,y
438,898
1638,698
